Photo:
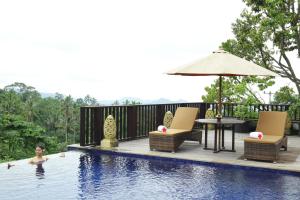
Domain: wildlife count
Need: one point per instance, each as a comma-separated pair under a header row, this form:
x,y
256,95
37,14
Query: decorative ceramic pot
x,y
210,114
168,118
110,128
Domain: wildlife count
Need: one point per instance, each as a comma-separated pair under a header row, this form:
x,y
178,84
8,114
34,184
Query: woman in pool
x,y
39,158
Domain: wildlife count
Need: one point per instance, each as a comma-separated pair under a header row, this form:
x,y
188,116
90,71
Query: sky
x,y
112,49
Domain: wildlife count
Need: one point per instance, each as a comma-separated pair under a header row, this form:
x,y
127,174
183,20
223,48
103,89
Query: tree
x,y
10,102
88,100
115,103
28,95
26,119
238,90
80,102
130,102
67,110
49,115
285,95
266,33
19,137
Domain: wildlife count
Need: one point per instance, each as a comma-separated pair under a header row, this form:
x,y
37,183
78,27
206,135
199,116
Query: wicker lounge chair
x,y
272,125
180,129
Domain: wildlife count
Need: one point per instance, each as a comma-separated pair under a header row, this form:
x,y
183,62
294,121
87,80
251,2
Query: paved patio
x,y
189,150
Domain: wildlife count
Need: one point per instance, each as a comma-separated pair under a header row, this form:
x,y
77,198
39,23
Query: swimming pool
x,y
83,175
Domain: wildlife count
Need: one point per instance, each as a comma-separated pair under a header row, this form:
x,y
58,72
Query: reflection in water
x,y
162,167
105,158
251,182
40,172
90,173
97,176
117,177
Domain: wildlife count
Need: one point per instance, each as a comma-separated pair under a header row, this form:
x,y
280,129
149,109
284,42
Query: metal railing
x,y
136,121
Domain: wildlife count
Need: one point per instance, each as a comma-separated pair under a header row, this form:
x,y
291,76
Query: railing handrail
x,y
135,121
157,104
225,103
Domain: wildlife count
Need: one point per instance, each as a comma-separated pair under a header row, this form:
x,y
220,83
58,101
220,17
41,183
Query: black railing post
x,y
132,122
160,111
92,126
87,127
97,126
101,123
82,126
183,105
203,109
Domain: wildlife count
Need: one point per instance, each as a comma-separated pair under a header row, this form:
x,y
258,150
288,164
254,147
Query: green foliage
x,y
237,89
10,102
27,119
132,102
265,33
19,137
88,100
295,108
245,111
285,95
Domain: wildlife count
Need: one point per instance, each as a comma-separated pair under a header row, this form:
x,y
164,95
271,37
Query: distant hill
x,y
164,101
142,101
45,94
122,100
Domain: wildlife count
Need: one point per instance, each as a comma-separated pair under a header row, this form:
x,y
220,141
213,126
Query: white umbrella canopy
x,y
221,63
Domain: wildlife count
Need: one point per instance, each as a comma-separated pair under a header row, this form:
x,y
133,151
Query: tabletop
x,y
223,121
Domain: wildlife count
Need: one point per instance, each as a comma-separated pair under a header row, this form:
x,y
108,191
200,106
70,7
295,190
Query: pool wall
x,y
182,160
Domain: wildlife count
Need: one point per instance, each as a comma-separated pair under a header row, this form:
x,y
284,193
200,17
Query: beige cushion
x,y
267,139
272,123
184,118
170,132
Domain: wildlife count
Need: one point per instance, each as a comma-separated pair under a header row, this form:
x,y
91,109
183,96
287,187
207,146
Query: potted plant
x,y
294,109
244,112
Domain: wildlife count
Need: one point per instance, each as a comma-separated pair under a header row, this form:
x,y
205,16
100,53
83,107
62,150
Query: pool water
x,y
81,175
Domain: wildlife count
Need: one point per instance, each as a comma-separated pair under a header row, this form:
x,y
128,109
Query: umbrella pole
x,y
219,115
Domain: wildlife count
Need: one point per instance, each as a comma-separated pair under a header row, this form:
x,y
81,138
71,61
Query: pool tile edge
x,y
172,156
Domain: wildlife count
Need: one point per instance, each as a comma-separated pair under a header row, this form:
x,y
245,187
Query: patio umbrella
x,y
221,63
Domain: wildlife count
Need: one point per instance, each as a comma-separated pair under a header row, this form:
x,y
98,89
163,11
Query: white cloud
x,y
111,49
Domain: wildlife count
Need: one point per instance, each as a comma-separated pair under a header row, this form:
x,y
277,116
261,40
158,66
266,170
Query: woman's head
x,y
39,149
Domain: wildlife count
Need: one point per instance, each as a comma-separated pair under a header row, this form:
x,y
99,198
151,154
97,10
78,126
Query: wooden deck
x,y
289,160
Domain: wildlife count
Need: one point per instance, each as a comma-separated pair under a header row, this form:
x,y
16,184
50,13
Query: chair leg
x,y
284,144
200,139
284,148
